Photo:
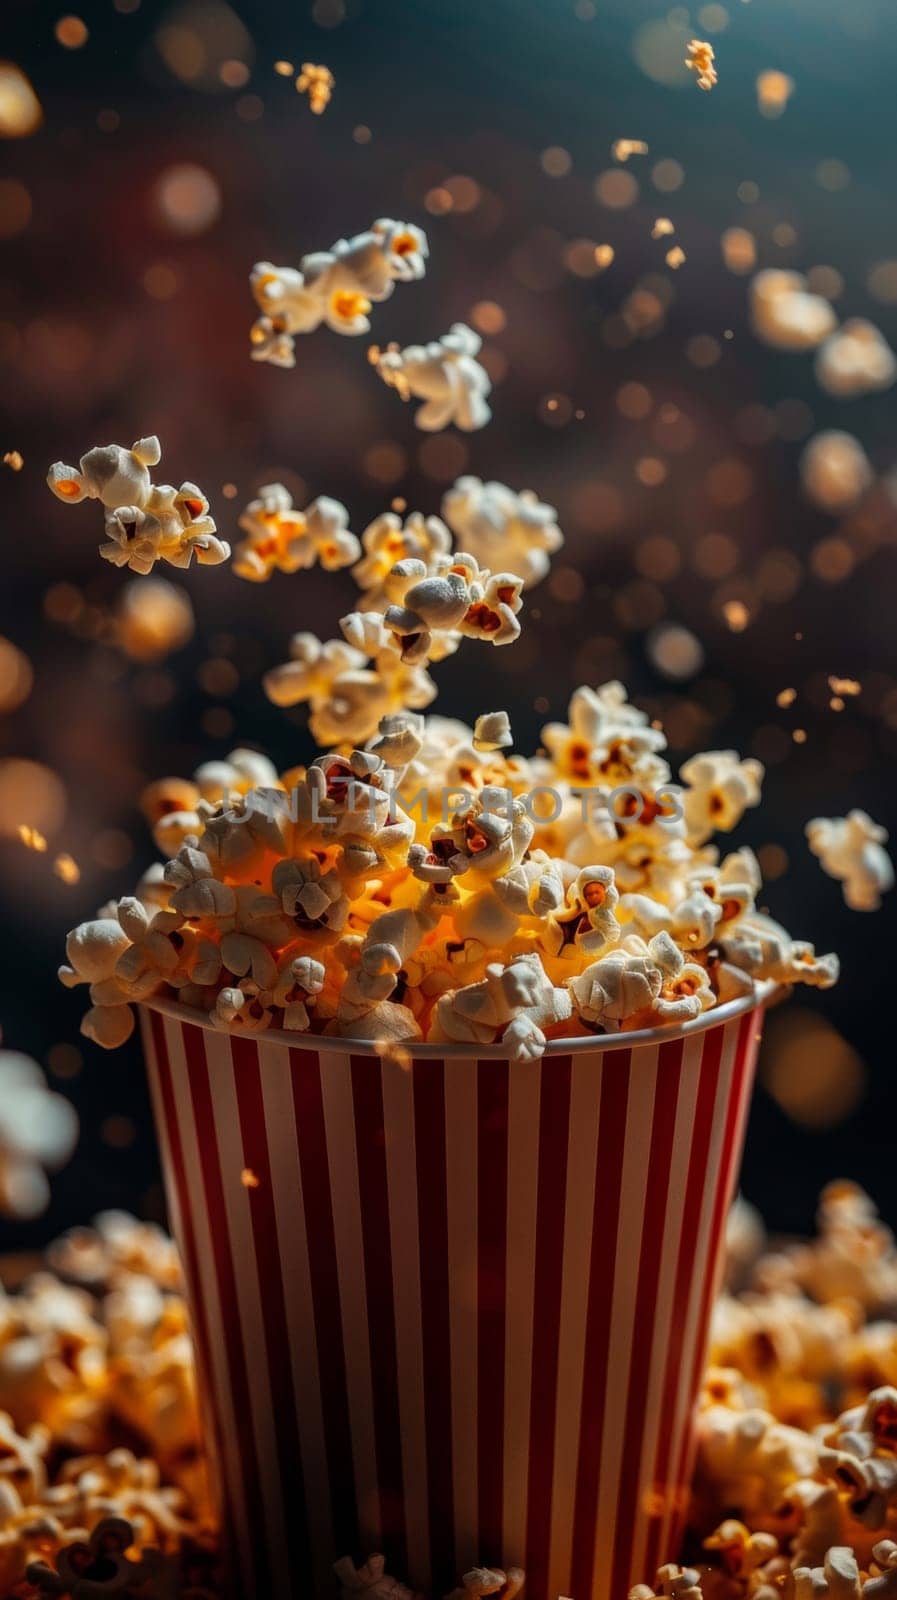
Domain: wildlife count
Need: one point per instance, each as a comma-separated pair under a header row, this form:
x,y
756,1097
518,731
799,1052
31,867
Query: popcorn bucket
x,y
455,1312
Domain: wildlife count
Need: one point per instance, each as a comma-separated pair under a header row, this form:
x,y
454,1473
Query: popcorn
x,y
492,731
512,1004
38,1130
501,528
856,359
850,849
317,83
444,374
336,287
720,788
387,541
835,470
700,59
281,539
785,314
145,523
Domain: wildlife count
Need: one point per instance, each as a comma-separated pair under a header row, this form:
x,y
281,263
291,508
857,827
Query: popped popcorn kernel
x,y
445,375
317,83
14,460
700,58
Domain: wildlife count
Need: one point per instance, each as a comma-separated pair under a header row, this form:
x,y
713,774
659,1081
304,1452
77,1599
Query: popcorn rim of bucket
x,y
331,1044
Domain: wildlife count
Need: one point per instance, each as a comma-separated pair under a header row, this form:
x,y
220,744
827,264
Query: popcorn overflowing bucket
x,y
455,1311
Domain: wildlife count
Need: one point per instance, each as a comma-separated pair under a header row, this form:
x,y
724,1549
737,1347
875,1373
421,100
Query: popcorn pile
x,y
144,522
794,1494
415,885
336,287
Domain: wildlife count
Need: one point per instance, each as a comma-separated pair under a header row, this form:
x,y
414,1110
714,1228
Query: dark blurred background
x,y
171,155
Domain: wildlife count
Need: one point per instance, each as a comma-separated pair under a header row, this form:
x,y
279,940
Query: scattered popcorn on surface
x,y
337,287
851,849
38,1131
444,374
856,359
144,522
700,59
785,314
835,471
317,83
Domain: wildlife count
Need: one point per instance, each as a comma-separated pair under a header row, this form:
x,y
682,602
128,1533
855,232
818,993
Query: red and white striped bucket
x,y
455,1313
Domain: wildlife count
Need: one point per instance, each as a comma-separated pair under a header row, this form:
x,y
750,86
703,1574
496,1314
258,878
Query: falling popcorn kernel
x,y
31,838
604,255
737,615
14,460
249,1179
848,686
622,149
700,58
20,110
662,227
774,90
66,868
317,83
675,257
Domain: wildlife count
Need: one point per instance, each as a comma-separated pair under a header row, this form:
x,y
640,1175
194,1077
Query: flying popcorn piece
x,y
675,257
835,471
336,287
21,113
444,374
851,849
700,59
145,522
774,90
14,460
784,314
622,149
38,1131
662,228
503,529
856,359
317,82
492,731
283,539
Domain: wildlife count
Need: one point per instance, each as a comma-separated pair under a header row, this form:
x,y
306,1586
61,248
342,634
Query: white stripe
x,y
401,1167
633,1190
461,1122
684,1398
524,1083
289,1204
342,1162
219,1377
664,1309
250,1297
582,1151
751,1047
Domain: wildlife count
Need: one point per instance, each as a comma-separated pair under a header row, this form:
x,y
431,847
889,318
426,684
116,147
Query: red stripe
x,y
432,1207
370,1144
492,1224
187,1242
263,1214
699,1157
225,1273
725,1181
608,1181
311,1138
554,1137
666,1096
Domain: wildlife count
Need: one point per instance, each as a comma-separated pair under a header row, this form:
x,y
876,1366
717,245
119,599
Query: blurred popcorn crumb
x,y
835,470
855,360
662,227
675,257
14,460
38,1130
785,314
700,59
67,869
774,90
622,149
851,849
317,82
31,838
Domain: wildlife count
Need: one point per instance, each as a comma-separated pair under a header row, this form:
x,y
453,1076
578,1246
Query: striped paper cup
x,y
455,1312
